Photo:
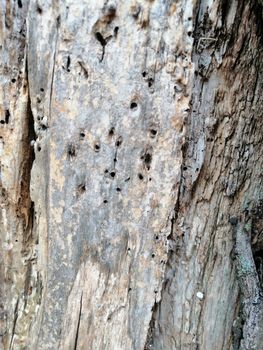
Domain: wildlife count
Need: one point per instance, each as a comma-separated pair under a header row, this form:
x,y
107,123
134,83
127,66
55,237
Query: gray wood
x,y
131,184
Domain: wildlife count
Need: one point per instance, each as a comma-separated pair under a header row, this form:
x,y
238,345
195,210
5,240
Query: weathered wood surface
x,y
131,143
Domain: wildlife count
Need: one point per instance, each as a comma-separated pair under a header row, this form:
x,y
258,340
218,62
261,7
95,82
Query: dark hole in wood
x,y
153,132
7,116
118,189
116,30
115,160
68,63
106,171
105,201
71,151
128,179
147,158
111,131
38,100
136,11
189,33
2,121
100,38
39,9
19,3
119,141
185,168
129,289
97,147
140,176
112,174
82,135
144,74
82,188
156,237
38,148
150,82
13,80
133,106
153,255
42,90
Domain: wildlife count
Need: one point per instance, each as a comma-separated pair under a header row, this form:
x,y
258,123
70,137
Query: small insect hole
x,y
111,131
118,189
42,90
144,74
68,63
82,135
133,106
140,176
156,237
13,80
153,255
96,147
7,116
38,148
119,141
128,179
19,3
112,174
150,82
106,171
116,30
185,168
71,150
100,38
105,201
153,132
39,9
81,188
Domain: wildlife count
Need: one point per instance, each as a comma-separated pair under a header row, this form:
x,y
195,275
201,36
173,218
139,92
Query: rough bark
x,y
131,185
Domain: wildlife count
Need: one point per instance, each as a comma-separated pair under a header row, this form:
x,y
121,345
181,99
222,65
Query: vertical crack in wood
x,y
14,324
78,325
54,63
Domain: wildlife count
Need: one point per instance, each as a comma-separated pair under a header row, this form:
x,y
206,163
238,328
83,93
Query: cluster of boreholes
x,y
146,155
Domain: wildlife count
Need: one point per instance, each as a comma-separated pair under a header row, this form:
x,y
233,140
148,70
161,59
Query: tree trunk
x,y
131,185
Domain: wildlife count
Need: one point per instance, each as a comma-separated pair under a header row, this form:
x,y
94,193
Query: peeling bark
x,y
131,192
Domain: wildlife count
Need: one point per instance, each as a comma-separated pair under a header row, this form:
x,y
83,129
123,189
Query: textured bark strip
x,y
221,177
251,290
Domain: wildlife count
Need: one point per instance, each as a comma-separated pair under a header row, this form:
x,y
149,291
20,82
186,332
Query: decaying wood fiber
x,y
131,185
